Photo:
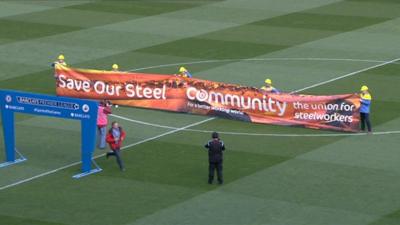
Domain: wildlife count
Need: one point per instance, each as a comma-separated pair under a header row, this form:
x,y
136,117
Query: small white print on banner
x,y
330,111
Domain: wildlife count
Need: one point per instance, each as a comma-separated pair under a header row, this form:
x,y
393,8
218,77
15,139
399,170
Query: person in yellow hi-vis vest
x,y
183,72
365,101
115,67
60,61
269,88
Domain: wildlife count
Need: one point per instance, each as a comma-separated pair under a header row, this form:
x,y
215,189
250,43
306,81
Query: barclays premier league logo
x,y
85,108
8,98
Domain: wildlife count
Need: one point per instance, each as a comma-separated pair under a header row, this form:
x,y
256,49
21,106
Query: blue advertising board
x,y
12,102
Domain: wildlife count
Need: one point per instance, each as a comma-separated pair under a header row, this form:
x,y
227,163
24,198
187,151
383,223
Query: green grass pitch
x,y
269,180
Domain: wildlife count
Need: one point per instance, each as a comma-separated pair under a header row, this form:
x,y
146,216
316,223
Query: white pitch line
x,y
169,132
143,122
173,131
98,156
301,135
257,134
349,74
256,59
382,63
38,176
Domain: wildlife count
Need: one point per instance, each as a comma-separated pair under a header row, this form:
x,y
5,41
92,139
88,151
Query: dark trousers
x,y
365,120
117,154
211,170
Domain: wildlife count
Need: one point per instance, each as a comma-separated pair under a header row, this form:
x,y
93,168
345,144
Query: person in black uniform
x,y
215,157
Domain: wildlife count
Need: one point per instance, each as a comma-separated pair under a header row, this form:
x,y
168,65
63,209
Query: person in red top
x,y
115,137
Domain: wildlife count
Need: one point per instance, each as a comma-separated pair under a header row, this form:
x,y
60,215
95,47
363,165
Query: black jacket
x,y
215,150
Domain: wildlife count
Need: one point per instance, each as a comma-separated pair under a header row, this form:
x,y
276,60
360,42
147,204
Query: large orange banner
x,y
174,93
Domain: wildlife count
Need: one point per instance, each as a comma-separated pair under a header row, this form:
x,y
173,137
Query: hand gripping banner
x,y
190,95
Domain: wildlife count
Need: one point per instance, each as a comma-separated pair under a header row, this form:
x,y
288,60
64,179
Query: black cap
x,y
214,135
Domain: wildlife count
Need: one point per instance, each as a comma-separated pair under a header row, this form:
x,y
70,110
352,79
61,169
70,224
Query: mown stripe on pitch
x,y
272,35
211,43
144,8
324,184
365,8
14,8
17,220
72,17
25,30
307,20
377,1
392,218
202,48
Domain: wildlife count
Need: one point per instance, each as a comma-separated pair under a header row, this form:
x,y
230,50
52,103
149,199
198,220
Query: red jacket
x,y
111,141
